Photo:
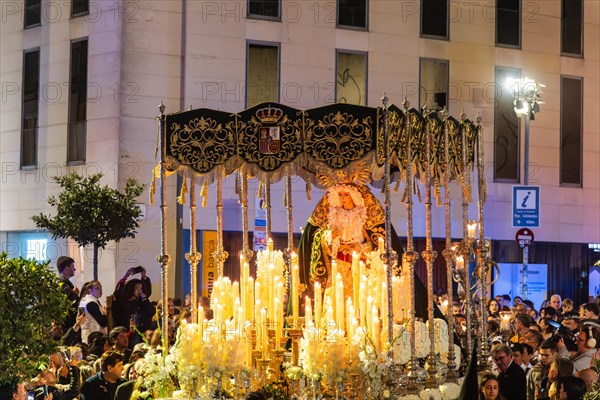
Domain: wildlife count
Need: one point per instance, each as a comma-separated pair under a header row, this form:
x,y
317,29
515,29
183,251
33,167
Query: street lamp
x,y
527,100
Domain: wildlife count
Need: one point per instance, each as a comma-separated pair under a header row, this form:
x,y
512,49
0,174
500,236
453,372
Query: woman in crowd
x,y
96,320
489,389
493,308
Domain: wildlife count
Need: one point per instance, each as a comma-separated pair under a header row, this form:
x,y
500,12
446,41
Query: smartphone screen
x,y
81,310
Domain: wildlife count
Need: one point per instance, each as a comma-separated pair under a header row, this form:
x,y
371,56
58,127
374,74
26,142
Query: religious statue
x,y
348,220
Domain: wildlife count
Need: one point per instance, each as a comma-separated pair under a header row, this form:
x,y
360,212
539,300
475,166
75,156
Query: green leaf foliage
x,y
31,299
92,214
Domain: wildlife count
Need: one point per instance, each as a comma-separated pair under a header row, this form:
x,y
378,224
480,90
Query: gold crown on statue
x,y
357,173
269,115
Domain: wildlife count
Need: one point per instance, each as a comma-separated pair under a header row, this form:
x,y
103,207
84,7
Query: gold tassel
x,y
418,191
152,189
238,184
259,192
183,192
438,193
397,186
308,191
204,193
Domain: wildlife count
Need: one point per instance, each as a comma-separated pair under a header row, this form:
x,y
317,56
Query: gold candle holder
x,y
263,364
295,334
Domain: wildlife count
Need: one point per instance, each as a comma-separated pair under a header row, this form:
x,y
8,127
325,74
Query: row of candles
x,y
264,298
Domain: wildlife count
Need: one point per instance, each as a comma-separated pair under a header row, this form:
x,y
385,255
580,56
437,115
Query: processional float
x,y
354,349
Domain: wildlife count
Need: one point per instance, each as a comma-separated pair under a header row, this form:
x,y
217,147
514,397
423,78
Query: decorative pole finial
x,y
161,108
385,100
478,119
405,103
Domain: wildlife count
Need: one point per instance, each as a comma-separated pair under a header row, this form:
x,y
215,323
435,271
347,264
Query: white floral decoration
x,y
430,394
450,391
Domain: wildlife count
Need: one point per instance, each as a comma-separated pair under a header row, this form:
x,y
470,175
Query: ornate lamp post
x,y
527,100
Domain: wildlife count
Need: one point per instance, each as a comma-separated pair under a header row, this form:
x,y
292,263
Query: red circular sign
x,y
524,237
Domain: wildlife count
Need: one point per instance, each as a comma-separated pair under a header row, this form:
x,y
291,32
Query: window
x,y
571,128
506,129
30,108
33,13
352,13
80,7
77,102
508,23
264,8
434,18
351,80
434,83
572,27
262,80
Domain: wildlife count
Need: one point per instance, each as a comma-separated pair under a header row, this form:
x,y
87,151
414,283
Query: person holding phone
x,y
131,305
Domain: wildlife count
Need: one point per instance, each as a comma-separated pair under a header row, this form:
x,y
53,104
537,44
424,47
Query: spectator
x,y
517,300
556,303
119,339
521,308
511,377
590,311
493,308
131,304
95,320
571,321
99,344
589,376
570,388
567,306
586,341
489,389
66,270
527,352
521,325
535,389
16,391
103,385
67,376
517,350
559,368
73,335
534,339
549,312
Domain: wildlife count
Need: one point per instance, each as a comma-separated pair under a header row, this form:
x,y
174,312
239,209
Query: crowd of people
x,y
550,353
93,363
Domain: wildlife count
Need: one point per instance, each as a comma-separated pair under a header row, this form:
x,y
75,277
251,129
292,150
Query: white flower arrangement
x,y
157,375
430,394
450,391
440,328
457,356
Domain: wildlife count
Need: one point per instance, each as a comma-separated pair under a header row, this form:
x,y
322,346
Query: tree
x,y
31,300
92,214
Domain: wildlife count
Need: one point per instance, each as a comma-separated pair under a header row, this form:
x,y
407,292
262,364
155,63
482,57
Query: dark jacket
x,y
140,309
68,393
125,390
512,382
67,288
98,388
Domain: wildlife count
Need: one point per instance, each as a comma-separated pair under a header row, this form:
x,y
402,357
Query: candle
x,y
277,321
460,263
384,310
318,304
264,333
270,286
471,229
369,316
340,303
355,276
362,303
249,348
295,283
257,310
333,287
307,312
349,318
250,300
380,245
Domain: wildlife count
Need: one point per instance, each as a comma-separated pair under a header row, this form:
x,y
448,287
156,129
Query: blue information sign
x,y
526,206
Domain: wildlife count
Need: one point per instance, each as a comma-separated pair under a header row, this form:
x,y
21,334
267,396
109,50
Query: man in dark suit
x,y
511,377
